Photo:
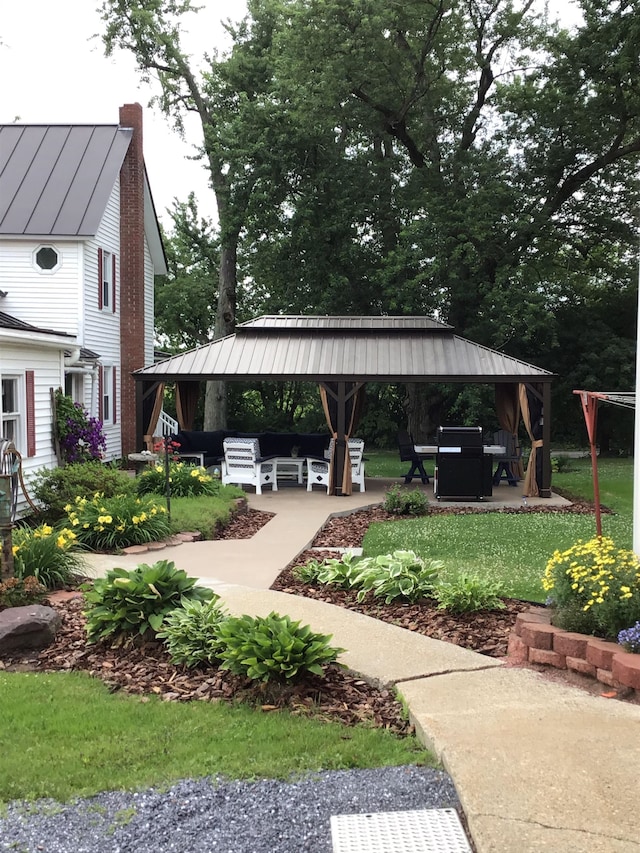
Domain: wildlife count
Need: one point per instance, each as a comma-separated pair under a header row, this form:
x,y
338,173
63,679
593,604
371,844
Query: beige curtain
x,y
354,404
187,394
508,411
153,418
530,482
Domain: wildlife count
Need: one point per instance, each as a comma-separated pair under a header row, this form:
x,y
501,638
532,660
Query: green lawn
x,y
64,735
513,549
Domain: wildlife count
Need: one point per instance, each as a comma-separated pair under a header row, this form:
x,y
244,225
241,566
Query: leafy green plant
x,y
16,592
126,603
404,502
191,634
80,437
57,487
48,553
402,574
469,592
560,464
108,523
599,581
273,648
184,480
341,571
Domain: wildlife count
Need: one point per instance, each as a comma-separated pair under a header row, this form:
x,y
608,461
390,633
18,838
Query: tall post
x,y
341,458
6,526
545,487
636,447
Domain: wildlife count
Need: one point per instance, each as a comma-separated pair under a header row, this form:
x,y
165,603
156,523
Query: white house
x,y
80,245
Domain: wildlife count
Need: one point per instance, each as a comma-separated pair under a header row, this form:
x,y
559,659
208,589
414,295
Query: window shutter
x,y
100,390
114,374
100,279
31,411
113,283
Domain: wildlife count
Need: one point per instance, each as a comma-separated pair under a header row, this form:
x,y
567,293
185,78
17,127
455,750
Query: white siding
x,y
102,327
48,299
47,365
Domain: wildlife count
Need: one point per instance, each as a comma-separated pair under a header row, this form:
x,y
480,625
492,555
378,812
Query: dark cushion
x,y
272,443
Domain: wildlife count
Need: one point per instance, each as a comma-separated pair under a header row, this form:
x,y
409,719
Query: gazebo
x,y
341,354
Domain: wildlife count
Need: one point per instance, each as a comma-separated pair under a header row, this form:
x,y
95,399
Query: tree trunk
x,y
423,408
215,403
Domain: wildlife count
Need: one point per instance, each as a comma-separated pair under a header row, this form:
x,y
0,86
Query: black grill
x,y
463,471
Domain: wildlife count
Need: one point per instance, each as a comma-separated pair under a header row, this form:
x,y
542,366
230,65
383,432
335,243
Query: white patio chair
x,y
317,473
318,470
242,463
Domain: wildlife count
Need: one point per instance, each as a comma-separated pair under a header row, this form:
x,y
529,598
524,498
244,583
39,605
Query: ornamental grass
x,y
110,523
594,587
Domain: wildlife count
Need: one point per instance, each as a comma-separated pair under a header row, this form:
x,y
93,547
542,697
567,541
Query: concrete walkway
x,y
538,766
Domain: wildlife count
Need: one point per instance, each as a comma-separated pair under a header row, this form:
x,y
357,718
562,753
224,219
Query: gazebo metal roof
x,y
330,349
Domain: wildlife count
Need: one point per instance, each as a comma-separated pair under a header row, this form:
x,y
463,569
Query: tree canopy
x,y
469,158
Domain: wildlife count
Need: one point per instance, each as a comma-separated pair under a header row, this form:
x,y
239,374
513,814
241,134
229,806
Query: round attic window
x,y
46,258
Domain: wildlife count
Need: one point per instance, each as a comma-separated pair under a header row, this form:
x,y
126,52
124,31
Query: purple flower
x,y
630,638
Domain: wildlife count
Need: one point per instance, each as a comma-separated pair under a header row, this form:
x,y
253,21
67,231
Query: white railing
x,y
166,425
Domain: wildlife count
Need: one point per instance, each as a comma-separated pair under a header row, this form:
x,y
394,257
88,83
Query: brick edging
x,y
535,640
241,505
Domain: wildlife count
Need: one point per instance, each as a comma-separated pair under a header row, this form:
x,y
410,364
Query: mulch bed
x,y
146,670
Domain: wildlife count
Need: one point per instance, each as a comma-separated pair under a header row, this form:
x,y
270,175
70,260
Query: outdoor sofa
x,y
206,446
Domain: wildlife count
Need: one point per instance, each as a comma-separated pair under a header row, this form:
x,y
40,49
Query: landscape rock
x,y
31,627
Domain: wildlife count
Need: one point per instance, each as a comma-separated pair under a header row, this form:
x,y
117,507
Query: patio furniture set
x,y
261,459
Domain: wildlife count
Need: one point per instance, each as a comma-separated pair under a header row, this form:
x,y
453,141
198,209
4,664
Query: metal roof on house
x,y
9,322
55,180
374,349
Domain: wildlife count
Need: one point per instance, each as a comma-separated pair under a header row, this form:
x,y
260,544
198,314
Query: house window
x,y
107,279
107,395
47,259
10,409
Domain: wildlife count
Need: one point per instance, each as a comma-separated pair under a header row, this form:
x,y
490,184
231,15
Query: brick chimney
x,y
132,319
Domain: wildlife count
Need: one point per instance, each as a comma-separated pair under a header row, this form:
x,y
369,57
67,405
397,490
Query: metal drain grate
x,y
426,831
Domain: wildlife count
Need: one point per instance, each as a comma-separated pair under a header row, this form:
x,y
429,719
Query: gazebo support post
x,y
545,487
341,442
140,415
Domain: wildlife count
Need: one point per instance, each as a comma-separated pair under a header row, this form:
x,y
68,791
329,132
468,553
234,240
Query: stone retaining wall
x,y
535,640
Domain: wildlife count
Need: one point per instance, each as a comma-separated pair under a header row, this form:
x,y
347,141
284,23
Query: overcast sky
x,y
53,71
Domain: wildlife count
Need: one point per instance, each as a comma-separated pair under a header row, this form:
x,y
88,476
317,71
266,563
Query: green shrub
x,y
107,524
598,580
184,481
402,574
341,571
16,592
56,488
126,603
273,648
560,464
468,593
190,632
48,553
403,502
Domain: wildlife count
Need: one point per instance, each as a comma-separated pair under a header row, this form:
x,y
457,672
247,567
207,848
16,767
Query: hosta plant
x,y
400,575
126,603
342,572
594,587
468,593
191,632
109,523
48,553
273,648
